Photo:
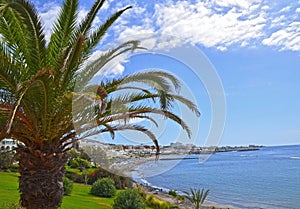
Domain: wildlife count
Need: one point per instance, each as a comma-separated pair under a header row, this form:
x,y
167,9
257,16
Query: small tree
x,y
68,186
5,158
197,197
104,188
80,163
129,199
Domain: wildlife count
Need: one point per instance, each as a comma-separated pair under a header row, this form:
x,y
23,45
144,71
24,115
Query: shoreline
x,y
128,166
183,205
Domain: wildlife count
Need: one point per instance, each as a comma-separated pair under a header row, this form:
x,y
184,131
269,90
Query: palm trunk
x,y
40,183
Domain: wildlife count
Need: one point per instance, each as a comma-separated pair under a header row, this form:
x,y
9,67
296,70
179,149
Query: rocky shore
x,y
181,204
126,169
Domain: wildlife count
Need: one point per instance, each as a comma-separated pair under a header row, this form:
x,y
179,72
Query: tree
x,y
197,196
48,103
129,199
68,186
5,159
104,187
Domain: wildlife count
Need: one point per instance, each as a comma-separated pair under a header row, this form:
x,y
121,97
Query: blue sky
x,y
254,46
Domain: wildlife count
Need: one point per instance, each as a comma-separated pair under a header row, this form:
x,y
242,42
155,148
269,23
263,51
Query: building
x,y
8,144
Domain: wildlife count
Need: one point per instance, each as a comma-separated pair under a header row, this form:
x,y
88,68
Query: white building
x,y
8,144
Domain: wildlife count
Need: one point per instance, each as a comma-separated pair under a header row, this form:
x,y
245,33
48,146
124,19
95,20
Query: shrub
x,y
121,182
104,188
14,167
157,203
74,164
5,158
173,193
68,186
80,163
129,199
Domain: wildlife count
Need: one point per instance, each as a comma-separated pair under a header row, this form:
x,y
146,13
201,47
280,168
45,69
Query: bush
x,y
68,186
129,199
173,193
5,158
157,203
14,167
104,188
121,182
80,163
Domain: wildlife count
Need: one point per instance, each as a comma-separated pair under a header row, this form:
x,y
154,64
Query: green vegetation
x,y
5,158
9,187
11,206
173,193
68,186
89,176
197,196
129,199
104,188
156,203
80,163
79,199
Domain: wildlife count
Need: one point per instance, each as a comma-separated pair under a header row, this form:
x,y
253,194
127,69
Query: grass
x,y
9,187
79,199
77,171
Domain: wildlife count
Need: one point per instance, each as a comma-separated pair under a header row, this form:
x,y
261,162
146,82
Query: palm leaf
x,y
26,18
94,67
62,34
99,32
86,23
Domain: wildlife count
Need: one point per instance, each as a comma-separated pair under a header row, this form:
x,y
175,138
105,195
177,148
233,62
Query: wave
x,y
295,157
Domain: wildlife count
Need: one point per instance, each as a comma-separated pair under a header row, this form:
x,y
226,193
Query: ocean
x,y
267,178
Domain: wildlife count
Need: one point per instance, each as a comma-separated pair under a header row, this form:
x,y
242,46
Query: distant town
x,y
177,148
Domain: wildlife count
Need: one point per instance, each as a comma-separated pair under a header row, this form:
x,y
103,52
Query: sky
x,y
246,76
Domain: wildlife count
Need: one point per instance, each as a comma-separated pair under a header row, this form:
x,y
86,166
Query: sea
x,y
268,178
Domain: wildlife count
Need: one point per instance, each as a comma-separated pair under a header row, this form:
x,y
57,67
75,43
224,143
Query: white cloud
x,y
287,38
239,3
48,15
285,9
220,24
199,24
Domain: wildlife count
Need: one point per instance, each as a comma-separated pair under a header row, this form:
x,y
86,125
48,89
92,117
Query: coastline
x,y
127,167
173,200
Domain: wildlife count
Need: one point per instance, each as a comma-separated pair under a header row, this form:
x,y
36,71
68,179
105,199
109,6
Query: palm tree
x,y
47,100
197,196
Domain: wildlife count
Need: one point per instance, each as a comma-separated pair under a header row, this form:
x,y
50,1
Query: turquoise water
x,y
267,178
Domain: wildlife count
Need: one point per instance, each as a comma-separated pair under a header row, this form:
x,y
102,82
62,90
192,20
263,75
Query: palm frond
x,y
86,23
94,67
62,33
193,107
98,33
159,83
23,90
71,63
26,18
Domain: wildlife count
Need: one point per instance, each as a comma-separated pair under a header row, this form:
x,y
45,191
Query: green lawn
x,y
8,187
79,199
